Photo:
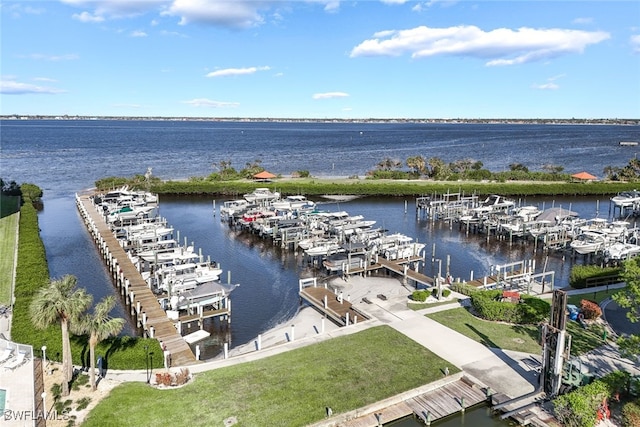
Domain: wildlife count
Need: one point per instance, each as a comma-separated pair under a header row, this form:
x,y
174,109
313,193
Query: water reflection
x,y
268,275
481,416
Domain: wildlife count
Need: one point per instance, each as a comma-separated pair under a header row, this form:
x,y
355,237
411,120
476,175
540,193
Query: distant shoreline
x,y
531,121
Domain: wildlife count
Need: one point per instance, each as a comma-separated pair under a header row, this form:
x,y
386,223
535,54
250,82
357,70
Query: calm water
x,y
64,157
475,417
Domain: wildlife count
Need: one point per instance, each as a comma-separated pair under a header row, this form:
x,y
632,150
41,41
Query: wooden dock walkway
x,y
401,267
337,308
450,398
151,317
447,400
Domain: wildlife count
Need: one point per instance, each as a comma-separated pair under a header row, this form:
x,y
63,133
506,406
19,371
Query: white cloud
x,y
233,14
502,46
103,9
329,95
546,86
18,9
138,33
208,103
635,43
583,21
236,71
54,58
87,17
549,85
12,87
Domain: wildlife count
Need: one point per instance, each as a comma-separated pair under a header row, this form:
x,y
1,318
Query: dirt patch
x,y
80,393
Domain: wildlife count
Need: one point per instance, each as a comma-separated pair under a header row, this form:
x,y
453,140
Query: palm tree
x,y
99,326
60,302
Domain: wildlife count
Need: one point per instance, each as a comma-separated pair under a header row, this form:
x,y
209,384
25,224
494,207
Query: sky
x,y
321,59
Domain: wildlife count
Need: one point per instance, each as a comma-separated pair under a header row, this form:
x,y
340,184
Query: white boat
x,y
527,213
210,294
344,262
261,195
620,251
131,213
626,199
493,203
589,242
176,279
293,203
615,230
169,255
231,207
327,247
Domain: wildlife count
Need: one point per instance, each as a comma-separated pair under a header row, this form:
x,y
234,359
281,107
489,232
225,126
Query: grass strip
x,y
8,230
292,388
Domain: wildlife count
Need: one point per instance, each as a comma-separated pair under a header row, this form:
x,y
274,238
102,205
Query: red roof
x,y
264,175
584,176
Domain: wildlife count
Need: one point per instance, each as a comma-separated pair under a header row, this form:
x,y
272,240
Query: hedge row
x,y
580,274
529,310
388,187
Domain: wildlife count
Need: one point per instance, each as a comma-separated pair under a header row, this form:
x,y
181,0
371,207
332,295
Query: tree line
x,y
416,167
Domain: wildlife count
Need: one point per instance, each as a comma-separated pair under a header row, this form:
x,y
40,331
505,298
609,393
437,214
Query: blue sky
x,y
321,59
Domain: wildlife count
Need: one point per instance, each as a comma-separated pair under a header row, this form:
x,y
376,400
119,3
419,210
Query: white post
x,y
322,325
226,350
293,330
259,341
44,404
198,352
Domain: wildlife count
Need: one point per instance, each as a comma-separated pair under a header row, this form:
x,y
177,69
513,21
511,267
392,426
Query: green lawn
x,y
492,334
8,229
591,296
343,373
514,337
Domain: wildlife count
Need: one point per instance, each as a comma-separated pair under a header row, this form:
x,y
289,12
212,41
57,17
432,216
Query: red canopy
x,y
264,175
585,176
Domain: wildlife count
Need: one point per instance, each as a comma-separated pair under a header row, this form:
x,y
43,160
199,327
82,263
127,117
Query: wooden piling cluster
x,y
136,294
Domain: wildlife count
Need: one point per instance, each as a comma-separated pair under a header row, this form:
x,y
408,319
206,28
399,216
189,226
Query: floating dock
x,y
133,288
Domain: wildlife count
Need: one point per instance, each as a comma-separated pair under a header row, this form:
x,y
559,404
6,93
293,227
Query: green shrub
x,y
446,293
420,295
463,288
580,274
529,310
631,414
579,407
83,403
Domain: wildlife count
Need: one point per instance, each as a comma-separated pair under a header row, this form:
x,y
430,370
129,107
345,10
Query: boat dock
x,y
335,306
451,395
133,288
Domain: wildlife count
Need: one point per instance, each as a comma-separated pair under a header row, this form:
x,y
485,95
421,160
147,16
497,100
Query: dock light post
x,y
44,354
44,404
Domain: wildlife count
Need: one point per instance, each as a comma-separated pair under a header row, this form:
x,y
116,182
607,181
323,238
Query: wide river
x,y
64,157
